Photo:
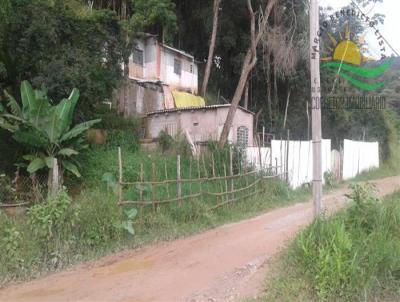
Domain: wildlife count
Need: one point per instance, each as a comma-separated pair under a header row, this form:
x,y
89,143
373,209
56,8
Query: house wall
x,y
137,70
187,80
158,64
141,98
151,59
202,125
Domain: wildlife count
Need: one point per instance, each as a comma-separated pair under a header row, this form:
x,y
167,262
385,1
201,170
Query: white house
x,y
152,60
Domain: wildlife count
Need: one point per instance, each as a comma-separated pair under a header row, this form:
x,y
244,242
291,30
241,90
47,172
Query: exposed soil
x,y
224,264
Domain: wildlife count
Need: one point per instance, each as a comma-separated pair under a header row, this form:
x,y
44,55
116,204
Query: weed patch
x,y
353,256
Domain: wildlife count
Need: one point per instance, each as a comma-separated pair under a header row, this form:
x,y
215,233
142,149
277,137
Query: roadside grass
x,y
35,244
64,232
386,170
352,256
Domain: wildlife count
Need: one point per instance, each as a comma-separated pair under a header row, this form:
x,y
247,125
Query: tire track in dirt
x,y
222,264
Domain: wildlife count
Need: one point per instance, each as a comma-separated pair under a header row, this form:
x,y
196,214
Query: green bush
x,y
165,141
353,254
11,247
54,220
98,221
330,179
7,192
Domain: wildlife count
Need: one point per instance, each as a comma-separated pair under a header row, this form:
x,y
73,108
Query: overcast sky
x,y
390,29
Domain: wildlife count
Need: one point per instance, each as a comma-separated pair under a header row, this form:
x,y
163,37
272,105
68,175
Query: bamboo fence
x,y
201,182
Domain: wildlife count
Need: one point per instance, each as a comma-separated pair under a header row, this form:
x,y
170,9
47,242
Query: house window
x,y
137,56
177,66
243,136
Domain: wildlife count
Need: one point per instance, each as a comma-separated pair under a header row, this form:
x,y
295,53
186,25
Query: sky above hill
x,y
390,29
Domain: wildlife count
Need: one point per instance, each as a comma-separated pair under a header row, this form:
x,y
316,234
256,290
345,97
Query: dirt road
x,y
223,264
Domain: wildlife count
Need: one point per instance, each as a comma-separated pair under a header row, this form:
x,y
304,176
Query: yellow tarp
x,y
184,100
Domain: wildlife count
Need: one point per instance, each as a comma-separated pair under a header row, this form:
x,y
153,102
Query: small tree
x,y
46,130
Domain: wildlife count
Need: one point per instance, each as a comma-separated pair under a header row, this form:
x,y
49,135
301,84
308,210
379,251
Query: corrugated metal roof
x,y
210,107
177,51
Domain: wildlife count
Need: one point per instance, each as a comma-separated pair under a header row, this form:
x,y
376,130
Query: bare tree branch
x,y
249,62
211,48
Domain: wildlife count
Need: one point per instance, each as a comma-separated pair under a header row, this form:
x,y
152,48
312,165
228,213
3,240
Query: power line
x,y
383,38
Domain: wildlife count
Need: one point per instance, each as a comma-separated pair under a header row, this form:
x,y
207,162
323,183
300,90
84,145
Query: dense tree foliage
x,y
51,45
77,43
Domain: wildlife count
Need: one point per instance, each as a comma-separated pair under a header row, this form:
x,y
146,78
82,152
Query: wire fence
x,y
215,183
20,189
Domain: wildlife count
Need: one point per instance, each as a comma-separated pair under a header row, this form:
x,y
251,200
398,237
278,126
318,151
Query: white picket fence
x,y
294,159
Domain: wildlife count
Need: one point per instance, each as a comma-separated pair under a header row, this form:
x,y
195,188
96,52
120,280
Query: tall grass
x,y
27,252
353,256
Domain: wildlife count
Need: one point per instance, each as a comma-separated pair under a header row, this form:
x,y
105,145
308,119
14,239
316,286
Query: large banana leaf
x,y
78,130
69,166
35,165
73,98
37,116
7,126
29,102
13,105
31,137
68,152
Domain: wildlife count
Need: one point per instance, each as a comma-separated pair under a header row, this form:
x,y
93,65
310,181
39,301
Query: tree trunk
x,y
54,179
276,98
211,49
249,62
246,96
269,99
286,109
123,10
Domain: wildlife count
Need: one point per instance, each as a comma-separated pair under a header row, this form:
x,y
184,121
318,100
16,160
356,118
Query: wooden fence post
x,y
190,176
119,175
199,176
231,171
178,179
141,187
226,184
153,186
166,177
287,155
213,165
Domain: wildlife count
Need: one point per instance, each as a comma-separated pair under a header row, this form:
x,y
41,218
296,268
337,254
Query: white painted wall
x,y
359,157
299,159
260,158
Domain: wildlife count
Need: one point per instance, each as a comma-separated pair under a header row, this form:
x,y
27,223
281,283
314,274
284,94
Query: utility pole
x,y
316,105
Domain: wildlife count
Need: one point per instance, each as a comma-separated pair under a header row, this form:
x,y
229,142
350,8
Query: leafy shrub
x,y
330,179
128,140
165,141
11,247
53,220
98,220
349,255
222,157
7,192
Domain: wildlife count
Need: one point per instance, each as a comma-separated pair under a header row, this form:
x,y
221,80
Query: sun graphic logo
x,y
347,59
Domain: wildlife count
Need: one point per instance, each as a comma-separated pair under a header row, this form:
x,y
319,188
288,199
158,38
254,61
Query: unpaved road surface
x,y
223,264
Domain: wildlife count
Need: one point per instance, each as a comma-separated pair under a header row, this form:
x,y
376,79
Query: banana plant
x,y
45,128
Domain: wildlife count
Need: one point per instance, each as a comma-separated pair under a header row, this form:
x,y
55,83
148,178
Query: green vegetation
x,y
60,232
46,129
352,256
